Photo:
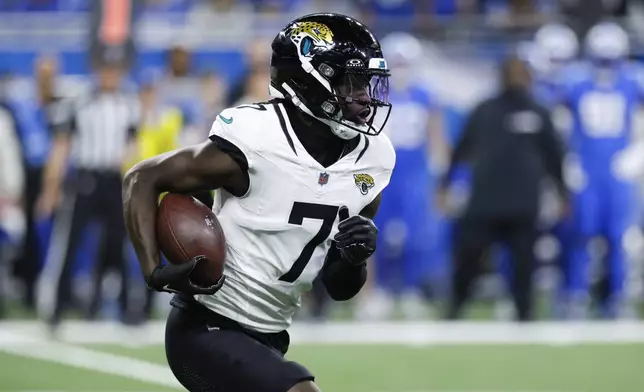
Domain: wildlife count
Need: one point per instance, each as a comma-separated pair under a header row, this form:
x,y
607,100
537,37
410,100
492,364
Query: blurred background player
x,y
603,97
97,138
252,85
161,123
12,222
159,131
405,218
35,115
554,47
180,87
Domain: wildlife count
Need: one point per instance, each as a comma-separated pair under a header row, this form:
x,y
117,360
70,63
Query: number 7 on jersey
x,y
322,212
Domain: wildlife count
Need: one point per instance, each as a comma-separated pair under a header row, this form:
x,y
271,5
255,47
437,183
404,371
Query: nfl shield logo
x,y
323,179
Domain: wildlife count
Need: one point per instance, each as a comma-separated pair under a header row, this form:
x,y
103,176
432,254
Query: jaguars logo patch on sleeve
x,y
364,182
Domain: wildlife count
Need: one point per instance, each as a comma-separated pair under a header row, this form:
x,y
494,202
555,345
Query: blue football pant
x,y
607,210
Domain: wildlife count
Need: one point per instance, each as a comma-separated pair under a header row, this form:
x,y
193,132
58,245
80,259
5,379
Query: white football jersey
x,y
279,233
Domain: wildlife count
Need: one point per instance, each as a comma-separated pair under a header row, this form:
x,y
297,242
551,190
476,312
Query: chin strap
x,y
340,130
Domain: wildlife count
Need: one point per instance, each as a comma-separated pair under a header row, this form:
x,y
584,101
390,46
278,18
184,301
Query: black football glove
x,y
175,278
356,239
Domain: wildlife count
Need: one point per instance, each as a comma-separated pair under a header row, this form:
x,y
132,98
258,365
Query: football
x,y
186,228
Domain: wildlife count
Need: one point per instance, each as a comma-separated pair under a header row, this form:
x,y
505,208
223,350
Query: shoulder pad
x,y
244,126
241,122
383,151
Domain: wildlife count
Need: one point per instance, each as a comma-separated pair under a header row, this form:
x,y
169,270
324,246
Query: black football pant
x,y
473,237
27,266
208,352
94,196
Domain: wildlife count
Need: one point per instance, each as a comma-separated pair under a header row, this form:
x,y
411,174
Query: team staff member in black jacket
x,y
511,145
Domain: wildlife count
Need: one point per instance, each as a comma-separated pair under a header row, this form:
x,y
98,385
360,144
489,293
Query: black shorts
x,y
209,352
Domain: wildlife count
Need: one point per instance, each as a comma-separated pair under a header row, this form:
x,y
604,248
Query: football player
x,y
406,221
299,181
554,48
603,98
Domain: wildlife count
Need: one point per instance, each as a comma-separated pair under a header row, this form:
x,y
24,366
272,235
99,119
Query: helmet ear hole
x,y
329,108
326,70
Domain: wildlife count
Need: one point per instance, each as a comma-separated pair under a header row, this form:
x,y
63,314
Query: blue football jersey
x,y
409,121
546,92
603,106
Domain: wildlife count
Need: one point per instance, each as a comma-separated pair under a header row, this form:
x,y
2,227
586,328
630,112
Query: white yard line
x,y
477,390
404,333
38,348
413,390
29,339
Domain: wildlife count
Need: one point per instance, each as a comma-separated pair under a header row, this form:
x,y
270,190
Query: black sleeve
x,y
553,152
342,279
229,148
236,154
463,149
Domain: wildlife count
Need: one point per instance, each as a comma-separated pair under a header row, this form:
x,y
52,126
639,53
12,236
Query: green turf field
x,y
494,365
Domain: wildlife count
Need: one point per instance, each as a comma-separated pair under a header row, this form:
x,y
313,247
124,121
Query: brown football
x,y
186,228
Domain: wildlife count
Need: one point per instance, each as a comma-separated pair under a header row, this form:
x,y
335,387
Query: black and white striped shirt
x,y
101,126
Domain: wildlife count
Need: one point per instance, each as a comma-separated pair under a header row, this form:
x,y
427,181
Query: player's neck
x,y
309,130
317,138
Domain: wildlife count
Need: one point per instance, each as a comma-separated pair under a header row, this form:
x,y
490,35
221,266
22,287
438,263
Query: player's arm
x,y
466,143
463,151
345,269
63,126
187,170
371,210
553,151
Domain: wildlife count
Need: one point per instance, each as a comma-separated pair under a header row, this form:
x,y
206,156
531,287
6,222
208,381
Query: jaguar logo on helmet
x,y
310,35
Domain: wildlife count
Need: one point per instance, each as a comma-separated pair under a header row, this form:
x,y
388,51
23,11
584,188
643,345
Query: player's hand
x,y
357,236
175,278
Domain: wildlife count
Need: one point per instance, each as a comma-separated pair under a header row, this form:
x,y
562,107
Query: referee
x,y
95,136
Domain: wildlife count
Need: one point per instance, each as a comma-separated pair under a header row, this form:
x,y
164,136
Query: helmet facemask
x,y
359,104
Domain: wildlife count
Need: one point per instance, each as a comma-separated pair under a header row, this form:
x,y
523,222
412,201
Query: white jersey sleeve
x,y
240,128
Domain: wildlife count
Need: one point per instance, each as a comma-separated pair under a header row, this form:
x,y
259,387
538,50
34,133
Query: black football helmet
x,y
332,68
